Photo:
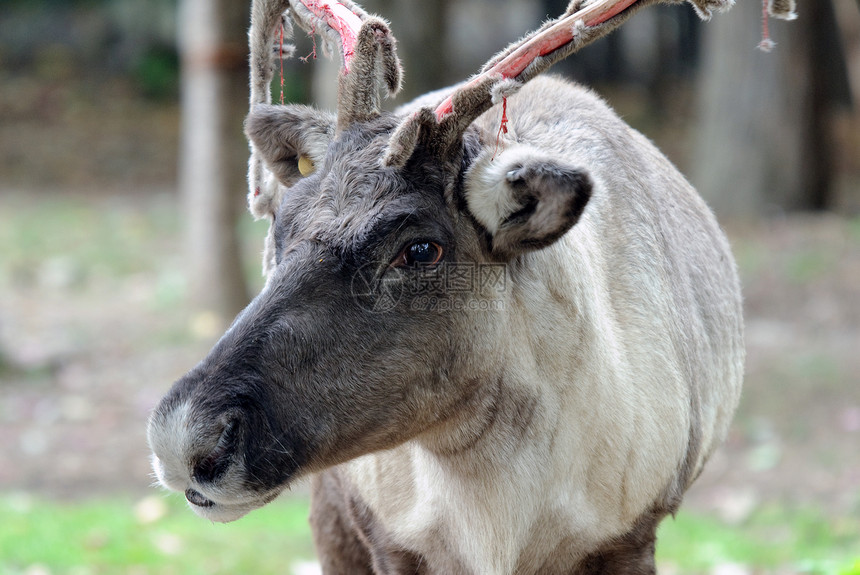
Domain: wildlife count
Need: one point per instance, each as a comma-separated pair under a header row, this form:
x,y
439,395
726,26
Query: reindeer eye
x,y
306,165
419,253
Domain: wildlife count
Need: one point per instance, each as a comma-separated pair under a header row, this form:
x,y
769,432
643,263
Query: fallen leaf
x,y
150,509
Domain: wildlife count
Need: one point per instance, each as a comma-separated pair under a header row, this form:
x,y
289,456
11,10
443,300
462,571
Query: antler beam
x,y
559,34
583,22
337,18
338,23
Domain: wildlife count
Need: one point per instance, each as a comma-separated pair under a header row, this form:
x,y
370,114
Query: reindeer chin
x,y
214,507
222,513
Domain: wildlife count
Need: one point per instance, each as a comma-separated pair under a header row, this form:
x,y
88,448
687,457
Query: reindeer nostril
x,y
214,465
196,498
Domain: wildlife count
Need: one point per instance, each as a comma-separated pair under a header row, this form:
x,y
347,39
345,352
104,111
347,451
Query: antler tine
x,y
368,50
374,62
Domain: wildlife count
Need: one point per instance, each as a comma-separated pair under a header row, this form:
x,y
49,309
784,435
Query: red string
x,y
340,19
313,53
503,126
766,44
281,58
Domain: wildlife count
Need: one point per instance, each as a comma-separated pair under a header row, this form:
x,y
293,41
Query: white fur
x,y
175,438
614,451
599,330
488,195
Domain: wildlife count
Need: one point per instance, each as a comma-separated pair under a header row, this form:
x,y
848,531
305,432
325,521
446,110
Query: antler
x,y
364,42
366,47
525,54
336,18
582,23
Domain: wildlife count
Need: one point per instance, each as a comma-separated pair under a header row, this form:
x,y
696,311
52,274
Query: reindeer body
x,y
544,425
618,365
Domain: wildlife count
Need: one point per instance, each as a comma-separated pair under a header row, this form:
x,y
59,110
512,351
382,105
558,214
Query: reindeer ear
x,y
524,199
291,140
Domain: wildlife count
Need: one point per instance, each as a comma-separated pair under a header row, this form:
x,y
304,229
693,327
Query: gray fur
x,y
375,62
544,422
315,379
784,9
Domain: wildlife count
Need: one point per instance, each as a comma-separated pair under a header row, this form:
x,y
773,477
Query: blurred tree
x,y
424,41
213,153
764,138
421,28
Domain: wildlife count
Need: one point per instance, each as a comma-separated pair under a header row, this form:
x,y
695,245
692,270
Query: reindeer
x,y
548,421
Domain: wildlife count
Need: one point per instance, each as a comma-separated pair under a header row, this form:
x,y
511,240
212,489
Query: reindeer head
x,y
315,371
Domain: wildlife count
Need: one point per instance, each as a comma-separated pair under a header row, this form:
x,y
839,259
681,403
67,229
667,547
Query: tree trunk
x,y
828,88
764,137
421,28
213,151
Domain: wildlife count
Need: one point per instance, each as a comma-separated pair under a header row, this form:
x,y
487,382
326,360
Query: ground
x,y
796,437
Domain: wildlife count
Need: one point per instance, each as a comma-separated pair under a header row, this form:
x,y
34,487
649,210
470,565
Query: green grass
x,y
109,536
116,536
84,241
773,539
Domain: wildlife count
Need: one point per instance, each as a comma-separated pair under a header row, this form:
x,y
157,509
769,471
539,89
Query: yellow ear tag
x,y
306,165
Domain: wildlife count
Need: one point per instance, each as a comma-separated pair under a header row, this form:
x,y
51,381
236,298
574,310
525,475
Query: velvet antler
x,y
338,23
369,62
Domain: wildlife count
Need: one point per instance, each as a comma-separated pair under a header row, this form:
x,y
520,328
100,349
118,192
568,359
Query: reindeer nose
x,y
213,466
